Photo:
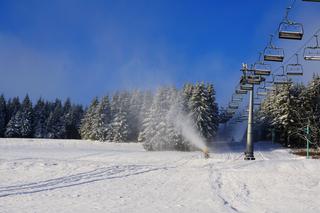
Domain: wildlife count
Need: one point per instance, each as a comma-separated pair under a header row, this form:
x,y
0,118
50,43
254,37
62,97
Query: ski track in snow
x,y
81,177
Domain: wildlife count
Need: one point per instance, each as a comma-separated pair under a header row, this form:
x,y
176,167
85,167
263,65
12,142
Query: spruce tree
x,y
87,123
40,118
102,118
56,122
3,115
13,129
27,118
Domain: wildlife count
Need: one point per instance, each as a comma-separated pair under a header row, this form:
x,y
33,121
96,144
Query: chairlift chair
x,y
281,79
262,91
233,106
236,99
294,69
246,87
254,79
241,92
312,53
261,68
272,53
289,29
270,88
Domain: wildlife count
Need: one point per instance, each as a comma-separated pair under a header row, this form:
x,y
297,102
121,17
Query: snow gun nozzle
x,y
206,153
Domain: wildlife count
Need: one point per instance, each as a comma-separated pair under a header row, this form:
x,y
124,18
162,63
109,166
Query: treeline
x,y
290,112
154,119
43,120
147,117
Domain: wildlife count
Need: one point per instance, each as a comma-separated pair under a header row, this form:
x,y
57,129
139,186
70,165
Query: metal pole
x,y
249,148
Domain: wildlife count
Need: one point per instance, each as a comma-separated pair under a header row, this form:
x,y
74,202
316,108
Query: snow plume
x,y
184,125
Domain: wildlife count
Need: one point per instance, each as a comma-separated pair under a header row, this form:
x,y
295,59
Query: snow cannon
x,y
206,153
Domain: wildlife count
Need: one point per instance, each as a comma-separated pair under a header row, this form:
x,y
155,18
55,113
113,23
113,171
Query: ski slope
x,y
84,176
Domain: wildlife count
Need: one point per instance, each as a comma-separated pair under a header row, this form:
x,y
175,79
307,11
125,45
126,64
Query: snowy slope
x,y
83,176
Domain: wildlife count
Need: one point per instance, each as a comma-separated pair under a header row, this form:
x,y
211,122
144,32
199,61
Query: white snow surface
x,y
83,176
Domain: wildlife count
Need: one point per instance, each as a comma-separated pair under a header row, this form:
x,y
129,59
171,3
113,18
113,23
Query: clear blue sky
x,y
81,48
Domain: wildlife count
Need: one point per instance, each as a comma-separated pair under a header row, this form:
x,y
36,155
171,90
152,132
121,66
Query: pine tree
x,y
119,125
213,111
56,123
13,129
27,118
154,134
144,115
3,115
200,110
13,107
72,116
40,118
102,118
87,123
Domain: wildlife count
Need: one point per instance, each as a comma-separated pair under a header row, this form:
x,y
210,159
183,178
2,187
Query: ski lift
x,y
294,69
312,0
281,79
250,78
272,53
246,87
312,53
233,106
270,88
241,92
236,99
289,29
260,68
254,79
262,91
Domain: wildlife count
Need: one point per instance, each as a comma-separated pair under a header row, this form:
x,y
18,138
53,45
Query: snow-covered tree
x,y
13,129
87,123
119,125
144,114
199,108
213,109
3,115
134,112
55,122
40,118
102,118
13,107
26,118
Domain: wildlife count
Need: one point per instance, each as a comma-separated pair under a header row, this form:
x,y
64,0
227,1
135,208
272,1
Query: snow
x,y
39,175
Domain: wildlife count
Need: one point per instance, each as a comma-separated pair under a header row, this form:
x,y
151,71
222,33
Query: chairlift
x,y
281,79
250,78
241,92
254,79
262,91
312,53
233,106
270,88
236,99
294,69
246,87
289,29
272,53
261,68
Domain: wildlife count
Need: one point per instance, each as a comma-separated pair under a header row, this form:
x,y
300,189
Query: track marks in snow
x,y
216,187
99,174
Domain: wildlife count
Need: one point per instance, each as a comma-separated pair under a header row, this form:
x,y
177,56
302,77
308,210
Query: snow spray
x,y
184,124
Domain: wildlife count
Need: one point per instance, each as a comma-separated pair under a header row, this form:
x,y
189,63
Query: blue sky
x,y
81,48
